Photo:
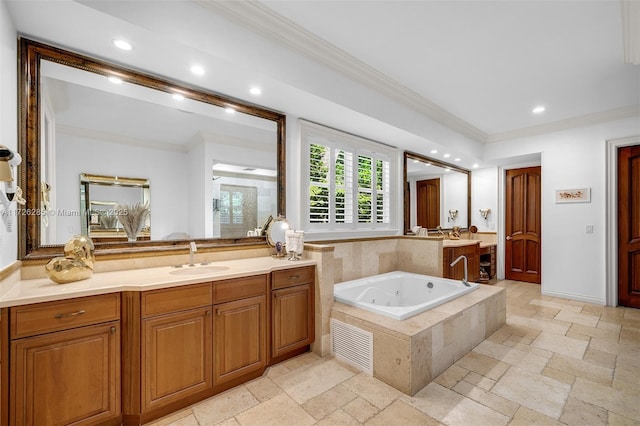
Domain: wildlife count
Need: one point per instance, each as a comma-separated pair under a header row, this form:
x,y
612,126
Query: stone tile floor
x,y
555,362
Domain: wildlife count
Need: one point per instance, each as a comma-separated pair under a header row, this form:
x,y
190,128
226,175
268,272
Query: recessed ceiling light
x,y
122,44
539,109
434,151
447,155
255,91
416,161
178,96
427,164
115,80
456,159
197,69
230,110
475,165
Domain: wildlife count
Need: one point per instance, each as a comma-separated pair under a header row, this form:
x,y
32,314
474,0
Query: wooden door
x,y
66,377
240,338
629,226
292,325
523,225
428,203
177,356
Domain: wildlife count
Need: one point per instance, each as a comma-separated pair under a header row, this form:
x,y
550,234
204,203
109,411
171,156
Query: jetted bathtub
x,y
399,295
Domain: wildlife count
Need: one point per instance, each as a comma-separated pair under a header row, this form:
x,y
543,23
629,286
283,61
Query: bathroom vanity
x,y
451,250
101,351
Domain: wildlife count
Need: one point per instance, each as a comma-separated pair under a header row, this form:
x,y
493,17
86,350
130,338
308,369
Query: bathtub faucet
x,y
465,280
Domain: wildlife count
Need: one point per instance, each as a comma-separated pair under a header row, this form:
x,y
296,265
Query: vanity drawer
x,y
239,288
293,277
46,317
156,302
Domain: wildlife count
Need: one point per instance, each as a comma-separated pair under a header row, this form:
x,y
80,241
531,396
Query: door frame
x,y
611,296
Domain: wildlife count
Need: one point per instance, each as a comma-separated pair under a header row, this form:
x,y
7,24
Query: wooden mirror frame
x,y
407,204
31,53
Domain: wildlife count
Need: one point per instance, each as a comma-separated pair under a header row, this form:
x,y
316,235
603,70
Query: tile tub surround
x,y
339,261
600,386
409,354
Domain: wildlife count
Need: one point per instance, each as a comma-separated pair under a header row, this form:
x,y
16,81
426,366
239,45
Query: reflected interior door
x,y
523,225
629,226
428,203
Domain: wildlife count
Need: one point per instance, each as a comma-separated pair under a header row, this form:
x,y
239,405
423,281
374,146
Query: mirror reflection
x,y
100,199
187,143
436,194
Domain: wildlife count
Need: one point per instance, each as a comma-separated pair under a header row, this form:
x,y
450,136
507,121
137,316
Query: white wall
x,y
573,262
166,171
484,194
8,126
454,195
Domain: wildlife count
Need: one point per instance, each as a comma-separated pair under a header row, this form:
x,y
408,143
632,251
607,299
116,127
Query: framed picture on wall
x,y
580,195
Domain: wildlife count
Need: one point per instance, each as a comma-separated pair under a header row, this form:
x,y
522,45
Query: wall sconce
x,y
453,213
9,160
485,213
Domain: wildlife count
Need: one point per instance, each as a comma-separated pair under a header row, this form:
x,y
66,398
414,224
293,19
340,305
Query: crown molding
x,y
569,123
266,22
116,138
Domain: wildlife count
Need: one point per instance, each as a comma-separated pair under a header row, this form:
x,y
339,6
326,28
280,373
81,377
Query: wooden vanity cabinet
x,y
449,254
177,347
240,327
292,317
65,362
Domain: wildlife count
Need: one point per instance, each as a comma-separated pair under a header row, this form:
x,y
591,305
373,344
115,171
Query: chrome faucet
x,y
192,253
465,280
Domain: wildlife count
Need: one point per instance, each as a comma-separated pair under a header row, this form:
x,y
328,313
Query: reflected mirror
x,y
217,164
100,199
436,194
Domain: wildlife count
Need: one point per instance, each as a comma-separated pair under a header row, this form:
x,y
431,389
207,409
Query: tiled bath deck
x,y
555,362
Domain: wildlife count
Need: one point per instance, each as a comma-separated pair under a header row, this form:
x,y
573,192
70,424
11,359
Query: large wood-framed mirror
x,y
83,115
436,194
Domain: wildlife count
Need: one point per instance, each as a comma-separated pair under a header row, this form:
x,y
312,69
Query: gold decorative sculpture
x,y
77,263
454,234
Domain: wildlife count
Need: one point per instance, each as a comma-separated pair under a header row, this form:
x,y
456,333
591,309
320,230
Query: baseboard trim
x,y
577,297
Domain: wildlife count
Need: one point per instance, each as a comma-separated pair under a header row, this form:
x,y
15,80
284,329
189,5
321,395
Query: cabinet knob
x,y
218,312
72,314
113,330
508,237
208,313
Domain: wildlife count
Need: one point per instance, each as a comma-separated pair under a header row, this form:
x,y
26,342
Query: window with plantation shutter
x,y
348,181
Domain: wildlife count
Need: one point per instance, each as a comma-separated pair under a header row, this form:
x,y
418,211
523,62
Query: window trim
x,y
358,145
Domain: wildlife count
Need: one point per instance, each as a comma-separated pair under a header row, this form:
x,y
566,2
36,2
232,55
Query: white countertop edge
x,y
24,292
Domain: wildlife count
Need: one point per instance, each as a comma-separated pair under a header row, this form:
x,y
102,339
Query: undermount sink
x,y
198,270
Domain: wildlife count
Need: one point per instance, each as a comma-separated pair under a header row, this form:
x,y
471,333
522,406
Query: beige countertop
x,y
22,292
465,242
459,243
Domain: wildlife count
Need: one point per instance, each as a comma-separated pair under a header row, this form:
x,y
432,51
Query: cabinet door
x,y
292,325
66,377
177,356
240,338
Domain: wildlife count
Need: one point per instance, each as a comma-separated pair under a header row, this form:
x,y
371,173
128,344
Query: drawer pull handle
x,y
294,277
72,314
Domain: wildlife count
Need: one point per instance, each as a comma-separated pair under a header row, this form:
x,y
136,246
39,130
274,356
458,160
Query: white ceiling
x,y
487,62
415,74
